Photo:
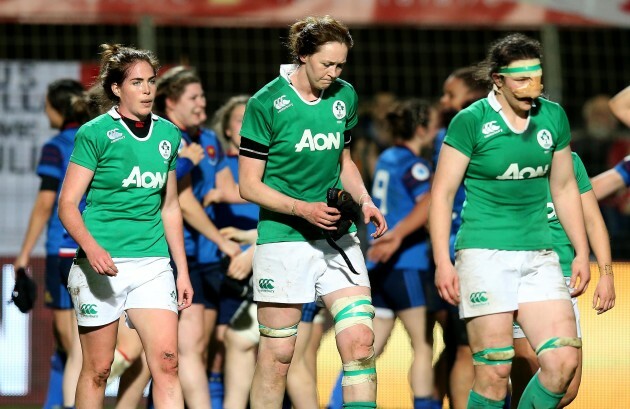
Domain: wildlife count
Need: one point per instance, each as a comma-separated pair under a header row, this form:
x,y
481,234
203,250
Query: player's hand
x,y
238,235
192,151
21,261
101,261
229,248
184,291
372,214
381,250
447,283
213,196
581,275
318,213
241,265
604,297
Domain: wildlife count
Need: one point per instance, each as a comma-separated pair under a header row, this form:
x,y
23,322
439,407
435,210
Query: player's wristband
x,y
607,270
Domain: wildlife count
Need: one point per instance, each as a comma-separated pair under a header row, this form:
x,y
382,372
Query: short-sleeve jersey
x,y
305,141
125,196
507,177
561,243
400,180
203,179
53,163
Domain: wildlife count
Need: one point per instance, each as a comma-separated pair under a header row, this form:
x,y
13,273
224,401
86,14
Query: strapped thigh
x,y
558,342
494,356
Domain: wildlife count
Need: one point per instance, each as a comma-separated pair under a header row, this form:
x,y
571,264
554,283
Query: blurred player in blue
x,y
65,113
397,261
180,98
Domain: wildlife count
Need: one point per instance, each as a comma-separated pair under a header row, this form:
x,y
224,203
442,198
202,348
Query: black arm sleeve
x,y
347,138
49,183
253,149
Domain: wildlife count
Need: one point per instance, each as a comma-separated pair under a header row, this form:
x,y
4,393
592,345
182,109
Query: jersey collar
x,y
115,115
492,100
494,103
288,69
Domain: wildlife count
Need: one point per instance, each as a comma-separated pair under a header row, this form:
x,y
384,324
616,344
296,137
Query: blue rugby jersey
x,y
400,178
203,178
53,163
243,216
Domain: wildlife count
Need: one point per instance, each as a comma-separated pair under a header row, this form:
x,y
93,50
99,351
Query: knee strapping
x,y
119,365
349,311
558,342
494,356
359,371
278,332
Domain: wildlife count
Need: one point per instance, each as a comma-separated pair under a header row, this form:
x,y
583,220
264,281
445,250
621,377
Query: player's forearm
x,y
196,217
174,233
416,219
352,181
596,231
569,210
41,213
440,218
620,106
72,221
607,183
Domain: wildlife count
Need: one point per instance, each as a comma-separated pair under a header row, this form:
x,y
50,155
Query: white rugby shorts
x,y
300,272
517,331
494,281
145,282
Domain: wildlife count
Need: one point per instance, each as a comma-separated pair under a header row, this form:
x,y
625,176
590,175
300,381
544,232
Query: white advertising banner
x,y
24,128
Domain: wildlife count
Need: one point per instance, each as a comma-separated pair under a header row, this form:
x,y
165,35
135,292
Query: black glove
x,y
342,200
24,292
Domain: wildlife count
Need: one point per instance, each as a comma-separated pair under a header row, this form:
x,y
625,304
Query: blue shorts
x,y
57,270
396,289
206,281
309,311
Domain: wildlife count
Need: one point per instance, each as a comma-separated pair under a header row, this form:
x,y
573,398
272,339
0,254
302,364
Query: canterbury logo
x,y
265,284
281,102
88,309
490,128
478,298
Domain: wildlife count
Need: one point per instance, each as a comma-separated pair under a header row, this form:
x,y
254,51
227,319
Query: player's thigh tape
x,y
494,356
278,332
558,342
349,311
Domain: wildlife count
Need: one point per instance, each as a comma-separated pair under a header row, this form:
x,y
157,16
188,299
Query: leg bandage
x,y
349,311
279,332
359,371
494,356
119,366
558,342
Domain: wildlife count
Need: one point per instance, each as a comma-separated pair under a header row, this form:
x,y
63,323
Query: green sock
x,y
536,396
360,405
476,401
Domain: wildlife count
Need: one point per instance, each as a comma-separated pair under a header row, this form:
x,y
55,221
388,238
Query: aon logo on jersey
x,y
319,141
147,180
513,172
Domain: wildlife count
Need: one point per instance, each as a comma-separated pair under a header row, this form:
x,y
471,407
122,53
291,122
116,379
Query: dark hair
x,y
478,87
505,50
407,116
60,95
172,84
92,102
221,118
116,60
307,35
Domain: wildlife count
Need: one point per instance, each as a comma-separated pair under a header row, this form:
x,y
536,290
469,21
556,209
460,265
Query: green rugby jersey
x,y
507,178
305,141
561,243
125,196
